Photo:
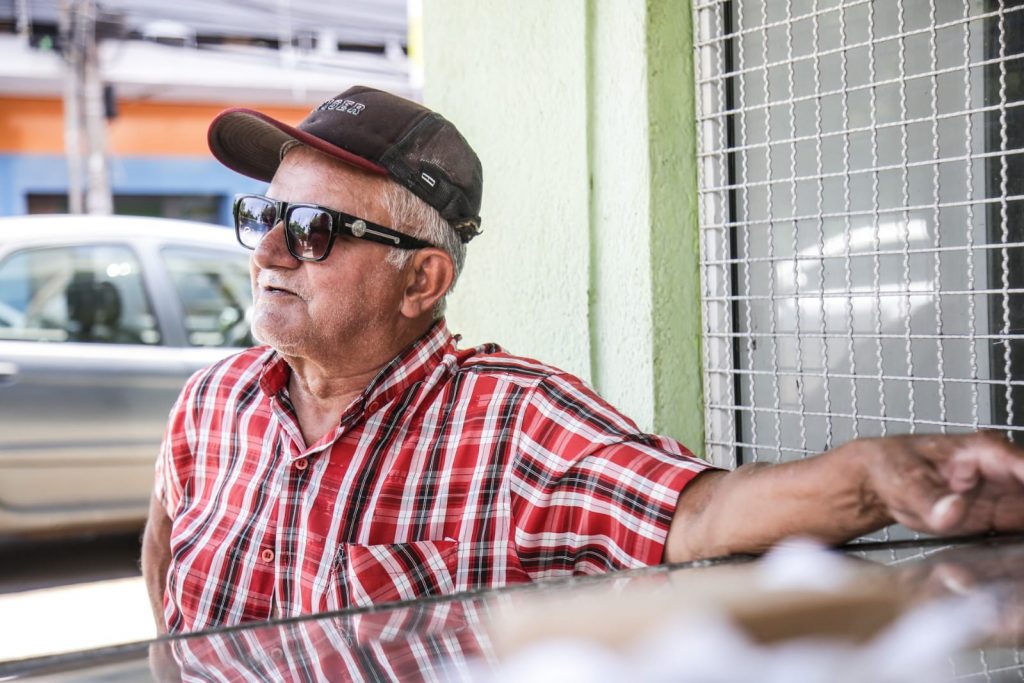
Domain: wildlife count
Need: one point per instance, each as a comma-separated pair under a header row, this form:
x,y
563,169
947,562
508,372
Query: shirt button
x,y
301,464
267,555
373,407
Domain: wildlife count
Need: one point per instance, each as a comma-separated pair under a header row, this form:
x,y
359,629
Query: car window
x,y
215,294
77,293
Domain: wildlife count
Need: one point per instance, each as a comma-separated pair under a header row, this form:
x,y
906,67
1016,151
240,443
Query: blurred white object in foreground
x,y
837,621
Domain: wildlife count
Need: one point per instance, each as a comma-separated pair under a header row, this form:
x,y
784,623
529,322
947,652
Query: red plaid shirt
x,y
445,641
453,470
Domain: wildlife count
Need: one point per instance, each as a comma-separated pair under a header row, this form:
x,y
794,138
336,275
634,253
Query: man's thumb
x,y
947,511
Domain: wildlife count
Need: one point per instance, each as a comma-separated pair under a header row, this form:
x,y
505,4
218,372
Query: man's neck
x,y
321,389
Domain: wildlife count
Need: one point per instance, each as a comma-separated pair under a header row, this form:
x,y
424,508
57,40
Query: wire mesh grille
x,y
861,183
861,177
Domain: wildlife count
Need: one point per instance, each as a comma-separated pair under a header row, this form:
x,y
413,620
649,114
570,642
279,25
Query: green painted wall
x,y
582,114
513,77
675,252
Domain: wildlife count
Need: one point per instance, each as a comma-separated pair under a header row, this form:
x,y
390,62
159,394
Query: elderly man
x,y
361,456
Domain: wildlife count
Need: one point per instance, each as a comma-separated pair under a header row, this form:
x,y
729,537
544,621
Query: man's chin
x,y
267,330
258,338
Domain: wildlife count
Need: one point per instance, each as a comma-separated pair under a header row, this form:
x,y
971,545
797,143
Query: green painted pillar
x,y
582,113
675,234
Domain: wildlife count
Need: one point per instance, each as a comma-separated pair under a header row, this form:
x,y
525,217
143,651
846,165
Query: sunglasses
x,y
309,229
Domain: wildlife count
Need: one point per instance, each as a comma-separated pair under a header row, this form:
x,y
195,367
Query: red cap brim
x,y
251,143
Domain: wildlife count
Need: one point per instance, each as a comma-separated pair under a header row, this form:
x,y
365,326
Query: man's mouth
x,y
277,289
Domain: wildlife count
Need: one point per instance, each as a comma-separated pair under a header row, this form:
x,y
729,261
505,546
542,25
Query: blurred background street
x,y
62,595
104,313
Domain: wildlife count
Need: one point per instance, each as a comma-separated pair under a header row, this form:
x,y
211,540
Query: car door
x,y
85,386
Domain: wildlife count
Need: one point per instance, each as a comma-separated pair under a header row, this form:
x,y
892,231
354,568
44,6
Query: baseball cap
x,y
373,130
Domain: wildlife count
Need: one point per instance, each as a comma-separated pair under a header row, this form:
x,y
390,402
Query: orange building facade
x,y
158,160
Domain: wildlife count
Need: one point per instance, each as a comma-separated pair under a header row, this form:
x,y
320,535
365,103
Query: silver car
x,y
102,319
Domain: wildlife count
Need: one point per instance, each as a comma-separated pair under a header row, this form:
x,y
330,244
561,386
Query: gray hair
x,y
413,216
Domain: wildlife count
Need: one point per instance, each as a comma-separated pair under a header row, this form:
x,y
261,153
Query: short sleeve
x,y
590,492
176,459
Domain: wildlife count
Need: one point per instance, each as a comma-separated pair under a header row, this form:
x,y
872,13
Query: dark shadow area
x,y
27,565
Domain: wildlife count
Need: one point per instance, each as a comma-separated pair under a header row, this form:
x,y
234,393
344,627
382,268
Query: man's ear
x,y
431,273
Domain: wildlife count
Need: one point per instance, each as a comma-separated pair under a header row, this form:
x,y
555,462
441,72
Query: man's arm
x,y
156,556
937,484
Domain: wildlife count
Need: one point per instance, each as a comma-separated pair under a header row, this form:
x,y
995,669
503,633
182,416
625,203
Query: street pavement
x,y
64,595
75,617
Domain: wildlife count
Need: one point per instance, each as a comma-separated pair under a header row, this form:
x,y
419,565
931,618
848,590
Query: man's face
x,y
348,302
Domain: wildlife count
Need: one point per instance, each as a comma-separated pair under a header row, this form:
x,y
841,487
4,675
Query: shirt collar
x,y
401,372
408,367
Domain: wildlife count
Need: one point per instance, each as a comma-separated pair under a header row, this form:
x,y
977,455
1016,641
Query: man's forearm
x,y
751,508
156,557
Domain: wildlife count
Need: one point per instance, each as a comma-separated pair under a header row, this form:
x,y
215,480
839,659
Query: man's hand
x,y
950,484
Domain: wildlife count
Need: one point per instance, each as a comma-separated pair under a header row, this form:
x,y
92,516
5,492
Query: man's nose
x,y
272,249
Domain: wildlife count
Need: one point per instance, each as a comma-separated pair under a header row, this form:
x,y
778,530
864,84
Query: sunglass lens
x,y
309,232
254,218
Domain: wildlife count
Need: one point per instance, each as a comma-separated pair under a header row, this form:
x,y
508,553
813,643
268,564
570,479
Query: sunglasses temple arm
x,y
370,231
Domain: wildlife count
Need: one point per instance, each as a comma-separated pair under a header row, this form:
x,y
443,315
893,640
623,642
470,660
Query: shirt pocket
x,y
373,574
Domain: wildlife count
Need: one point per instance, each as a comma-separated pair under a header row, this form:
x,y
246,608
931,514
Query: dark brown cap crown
x,y
371,129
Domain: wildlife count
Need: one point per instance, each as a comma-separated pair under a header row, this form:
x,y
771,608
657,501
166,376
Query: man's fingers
x,y
964,474
984,457
997,458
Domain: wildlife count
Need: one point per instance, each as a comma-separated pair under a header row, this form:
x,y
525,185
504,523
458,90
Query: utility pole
x,y
72,105
84,120
24,21
98,197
